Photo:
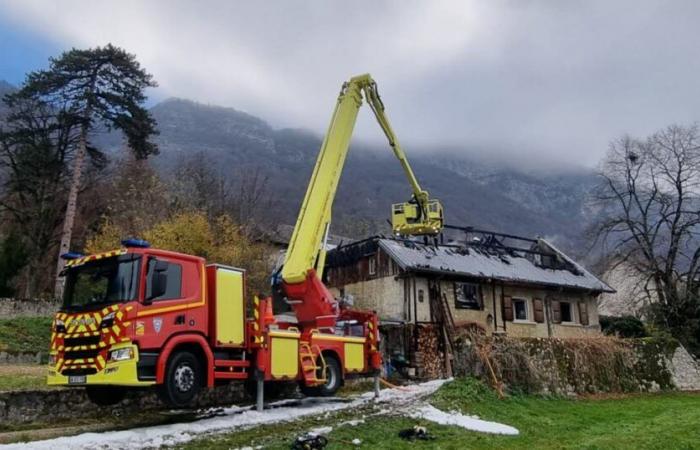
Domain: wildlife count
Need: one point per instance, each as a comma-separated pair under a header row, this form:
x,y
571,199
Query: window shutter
x,y
538,307
556,312
583,312
508,308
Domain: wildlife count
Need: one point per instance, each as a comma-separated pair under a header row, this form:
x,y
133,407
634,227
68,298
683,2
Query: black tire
x,y
105,395
334,380
183,380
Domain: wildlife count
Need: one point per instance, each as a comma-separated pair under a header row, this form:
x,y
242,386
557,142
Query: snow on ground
x,y
228,420
433,414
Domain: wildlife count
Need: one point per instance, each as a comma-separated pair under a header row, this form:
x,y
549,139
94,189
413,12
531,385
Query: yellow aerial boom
x,y
419,216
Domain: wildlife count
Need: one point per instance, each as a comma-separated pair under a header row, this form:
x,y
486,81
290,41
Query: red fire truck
x,y
138,317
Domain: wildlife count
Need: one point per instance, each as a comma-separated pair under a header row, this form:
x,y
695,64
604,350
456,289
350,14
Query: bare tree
x,y
252,202
242,193
650,201
198,185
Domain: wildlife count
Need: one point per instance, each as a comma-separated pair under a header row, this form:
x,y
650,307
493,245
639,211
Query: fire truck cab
x,y
138,317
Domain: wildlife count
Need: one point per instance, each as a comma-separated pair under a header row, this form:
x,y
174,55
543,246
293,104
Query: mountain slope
x,y
482,195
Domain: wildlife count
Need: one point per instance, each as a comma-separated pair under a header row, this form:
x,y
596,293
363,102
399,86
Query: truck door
x,y
172,301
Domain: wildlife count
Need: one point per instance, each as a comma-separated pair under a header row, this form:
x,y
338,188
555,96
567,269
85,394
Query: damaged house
x,y
488,282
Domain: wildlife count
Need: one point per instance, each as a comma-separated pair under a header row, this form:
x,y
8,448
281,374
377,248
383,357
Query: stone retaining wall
x,y
578,366
23,358
23,407
11,308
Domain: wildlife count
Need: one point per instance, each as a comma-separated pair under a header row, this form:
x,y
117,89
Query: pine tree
x,y
99,87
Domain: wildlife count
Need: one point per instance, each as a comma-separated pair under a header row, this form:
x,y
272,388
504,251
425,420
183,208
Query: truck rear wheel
x,y
183,380
334,379
105,395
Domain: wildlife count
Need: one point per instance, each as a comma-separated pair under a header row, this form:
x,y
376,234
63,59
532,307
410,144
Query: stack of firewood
x,y
428,359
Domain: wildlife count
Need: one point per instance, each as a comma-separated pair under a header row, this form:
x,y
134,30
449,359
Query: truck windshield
x,y
100,282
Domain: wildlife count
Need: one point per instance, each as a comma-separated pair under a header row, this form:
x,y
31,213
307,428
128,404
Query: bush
x,y
625,326
218,240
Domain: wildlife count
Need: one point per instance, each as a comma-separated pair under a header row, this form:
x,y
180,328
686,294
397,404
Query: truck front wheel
x,y
183,380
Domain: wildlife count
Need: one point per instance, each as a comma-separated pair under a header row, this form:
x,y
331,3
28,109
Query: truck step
x,y
231,363
231,375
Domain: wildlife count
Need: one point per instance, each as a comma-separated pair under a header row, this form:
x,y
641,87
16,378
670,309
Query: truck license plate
x,y
76,379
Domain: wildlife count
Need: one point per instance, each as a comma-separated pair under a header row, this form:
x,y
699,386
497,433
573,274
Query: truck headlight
x,y
121,354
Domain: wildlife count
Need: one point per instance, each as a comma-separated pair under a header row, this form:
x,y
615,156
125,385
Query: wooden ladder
x,y
309,367
442,313
448,320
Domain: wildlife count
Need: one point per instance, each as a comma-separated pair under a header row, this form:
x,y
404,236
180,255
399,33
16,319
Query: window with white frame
x,y
372,265
520,311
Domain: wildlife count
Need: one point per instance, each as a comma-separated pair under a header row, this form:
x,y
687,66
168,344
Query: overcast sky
x,y
545,81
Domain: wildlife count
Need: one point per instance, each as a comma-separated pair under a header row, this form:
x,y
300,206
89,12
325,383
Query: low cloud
x,y
554,81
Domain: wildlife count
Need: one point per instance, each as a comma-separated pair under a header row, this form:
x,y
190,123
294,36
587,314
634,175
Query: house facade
x,y
491,282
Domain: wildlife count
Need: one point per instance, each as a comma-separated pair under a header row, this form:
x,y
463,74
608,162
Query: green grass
x,y
22,377
644,421
25,334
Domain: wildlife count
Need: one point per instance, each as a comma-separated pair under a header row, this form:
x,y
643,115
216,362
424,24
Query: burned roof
x,y
491,256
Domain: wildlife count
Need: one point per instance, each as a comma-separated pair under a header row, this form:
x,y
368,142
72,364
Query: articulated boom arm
x,y
306,248
305,259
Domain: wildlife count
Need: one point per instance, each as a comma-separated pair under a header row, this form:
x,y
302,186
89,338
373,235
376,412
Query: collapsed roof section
x,y
483,254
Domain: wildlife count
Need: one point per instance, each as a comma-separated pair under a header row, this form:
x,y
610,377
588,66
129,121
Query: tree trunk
x,y
67,232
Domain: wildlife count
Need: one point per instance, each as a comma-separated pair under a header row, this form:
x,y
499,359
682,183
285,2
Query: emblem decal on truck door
x,y
157,324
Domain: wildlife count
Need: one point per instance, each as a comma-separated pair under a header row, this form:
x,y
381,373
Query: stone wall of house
x,y
408,299
526,328
11,308
384,295
462,316
578,366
